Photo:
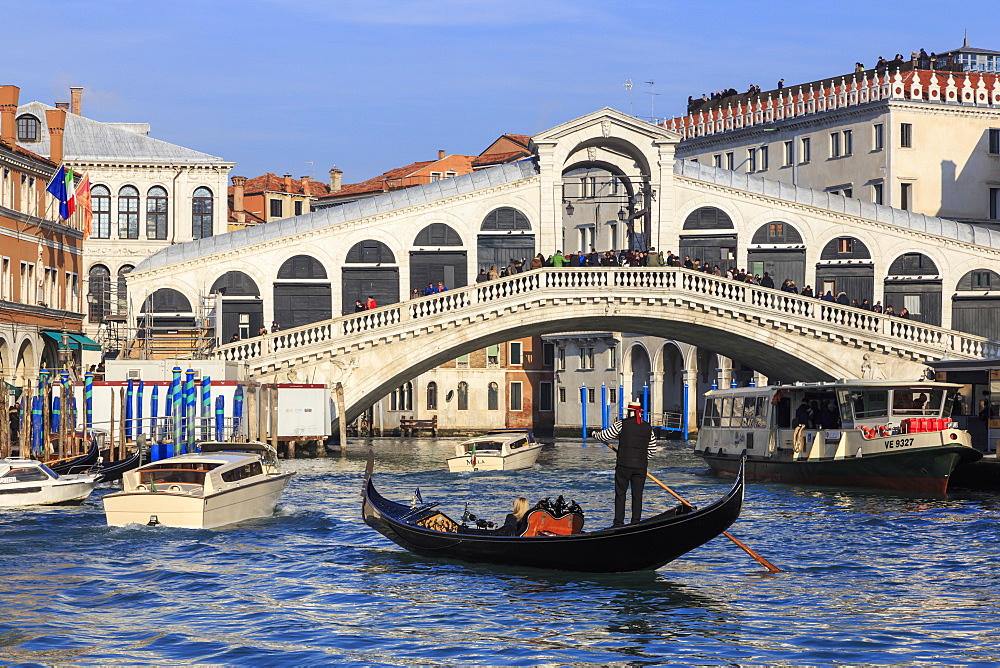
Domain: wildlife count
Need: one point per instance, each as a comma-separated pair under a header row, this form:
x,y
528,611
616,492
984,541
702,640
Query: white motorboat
x,y
497,450
26,482
223,484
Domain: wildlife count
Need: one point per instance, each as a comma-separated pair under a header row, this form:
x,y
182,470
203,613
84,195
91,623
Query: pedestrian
x,y
262,331
416,293
370,304
537,262
889,310
234,338
807,291
903,313
766,281
559,260
429,290
358,306
441,287
636,445
275,327
865,305
877,308
482,277
842,299
493,274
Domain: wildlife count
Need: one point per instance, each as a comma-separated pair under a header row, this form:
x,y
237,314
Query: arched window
x,y
156,213
776,232
503,219
123,288
28,128
301,267
202,213
708,218
166,300
438,234
408,395
100,199
493,397
370,251
128,213
99,292
432,396
235,284
463,396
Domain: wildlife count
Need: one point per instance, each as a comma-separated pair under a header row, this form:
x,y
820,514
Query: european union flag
x,y
61,187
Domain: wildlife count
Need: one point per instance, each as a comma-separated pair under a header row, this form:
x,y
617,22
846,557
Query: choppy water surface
x,y
870,578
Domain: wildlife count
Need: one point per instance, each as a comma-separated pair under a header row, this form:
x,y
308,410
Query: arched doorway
x,y
975,306
166,311
640,367
845,265
777,248
709,236
913,283
238,308
373,272
504,234
121,298
302,293
672,385
430,263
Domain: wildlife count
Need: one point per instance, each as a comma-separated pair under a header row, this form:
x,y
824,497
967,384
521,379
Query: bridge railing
x,y
755,300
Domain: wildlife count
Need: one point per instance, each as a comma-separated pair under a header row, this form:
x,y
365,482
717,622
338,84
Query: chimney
x,y
75,100
305,186
64,106
288,183
56,120
239,184
8,113
440,154
335,178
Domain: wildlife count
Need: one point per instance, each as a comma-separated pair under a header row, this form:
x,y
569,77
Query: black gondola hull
x,y
647,545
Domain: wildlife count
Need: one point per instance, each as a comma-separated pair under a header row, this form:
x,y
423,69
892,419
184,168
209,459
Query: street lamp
x,y
569,208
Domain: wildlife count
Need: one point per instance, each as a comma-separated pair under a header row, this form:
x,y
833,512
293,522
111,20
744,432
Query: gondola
x,y
78,464
115,470
644,546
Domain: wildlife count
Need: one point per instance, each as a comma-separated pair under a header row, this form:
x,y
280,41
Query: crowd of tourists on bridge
x,y
654,258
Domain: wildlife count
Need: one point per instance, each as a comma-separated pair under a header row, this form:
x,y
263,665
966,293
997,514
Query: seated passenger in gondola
x,y
516,521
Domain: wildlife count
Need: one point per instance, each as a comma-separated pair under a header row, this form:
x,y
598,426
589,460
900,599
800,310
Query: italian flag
x,y
61,187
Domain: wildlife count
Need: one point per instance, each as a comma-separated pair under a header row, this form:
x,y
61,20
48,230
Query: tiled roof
x,y
340,213
16,148
499,158
273,183
86,140
520,139
382,182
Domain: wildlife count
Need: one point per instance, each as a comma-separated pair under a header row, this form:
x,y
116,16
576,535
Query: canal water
x,y
868,578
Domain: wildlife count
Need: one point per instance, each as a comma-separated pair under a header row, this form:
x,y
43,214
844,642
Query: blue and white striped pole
x,y
129,412
583,410
175,412
140,390
604,406
206,408
190,410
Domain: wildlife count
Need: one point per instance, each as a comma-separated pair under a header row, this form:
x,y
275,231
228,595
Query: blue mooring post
x,y
604,406
684,414
621,402
715,385
753,383
583,410
645,402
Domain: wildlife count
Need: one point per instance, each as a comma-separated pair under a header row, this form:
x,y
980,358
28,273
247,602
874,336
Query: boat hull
x,y
64,491
192,511
646,545
523,458
924,470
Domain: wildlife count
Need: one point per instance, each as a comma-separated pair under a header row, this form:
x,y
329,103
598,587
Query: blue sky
x,y
300,86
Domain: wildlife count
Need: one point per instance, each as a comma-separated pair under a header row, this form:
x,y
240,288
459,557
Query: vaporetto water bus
x,y
851,433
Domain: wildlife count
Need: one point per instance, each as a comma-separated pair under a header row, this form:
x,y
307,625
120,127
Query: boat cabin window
x,y
867,404
246,471
519,443
191,473
745,412
917,401
25,474
480,446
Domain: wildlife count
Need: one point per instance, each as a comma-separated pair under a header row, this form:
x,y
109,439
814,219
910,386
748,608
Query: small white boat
x,y
26,482
223,484
497,450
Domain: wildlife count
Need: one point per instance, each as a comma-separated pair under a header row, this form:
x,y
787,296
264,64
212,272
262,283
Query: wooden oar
x,y
740,544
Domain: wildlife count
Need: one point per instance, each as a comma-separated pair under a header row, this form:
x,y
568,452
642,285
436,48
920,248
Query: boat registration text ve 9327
x,y
898,443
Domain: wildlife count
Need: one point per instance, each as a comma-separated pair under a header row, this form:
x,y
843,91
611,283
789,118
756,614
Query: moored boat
x,y
497,450
560,544
222,484
27,482
893,435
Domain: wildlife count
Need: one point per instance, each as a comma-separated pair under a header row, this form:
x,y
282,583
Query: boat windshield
x,y
871,404
480,446
27,474
917,401
191,473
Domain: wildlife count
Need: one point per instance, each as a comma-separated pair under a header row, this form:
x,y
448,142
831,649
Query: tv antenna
x,y
312,169
628,87
652,101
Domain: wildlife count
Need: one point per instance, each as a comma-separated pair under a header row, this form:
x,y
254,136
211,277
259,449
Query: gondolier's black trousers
x,y
624,478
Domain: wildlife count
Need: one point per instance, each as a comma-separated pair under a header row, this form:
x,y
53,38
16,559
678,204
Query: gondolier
x,y
636,445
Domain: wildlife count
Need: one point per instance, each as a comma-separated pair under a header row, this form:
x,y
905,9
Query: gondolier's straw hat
x,y
634,406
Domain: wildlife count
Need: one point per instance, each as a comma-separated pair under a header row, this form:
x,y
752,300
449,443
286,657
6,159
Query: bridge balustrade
x,y
783,308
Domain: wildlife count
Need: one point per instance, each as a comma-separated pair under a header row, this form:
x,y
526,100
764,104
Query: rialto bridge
x,y
301,271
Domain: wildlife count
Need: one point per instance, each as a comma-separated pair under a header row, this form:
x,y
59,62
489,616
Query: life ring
x,y
883,430
867,433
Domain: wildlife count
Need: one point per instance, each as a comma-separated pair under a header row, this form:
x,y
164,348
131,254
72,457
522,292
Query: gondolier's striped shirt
x,y
612,432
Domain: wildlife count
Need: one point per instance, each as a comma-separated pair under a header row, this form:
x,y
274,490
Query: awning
x,y
76,341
